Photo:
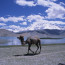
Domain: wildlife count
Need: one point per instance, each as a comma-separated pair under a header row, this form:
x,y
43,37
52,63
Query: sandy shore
x,y
50,55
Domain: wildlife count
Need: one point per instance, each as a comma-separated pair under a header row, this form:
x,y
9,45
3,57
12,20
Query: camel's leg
x,y
40,48
28,48
29,45
37,48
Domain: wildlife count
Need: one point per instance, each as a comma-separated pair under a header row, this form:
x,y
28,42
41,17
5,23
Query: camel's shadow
x,y
30,54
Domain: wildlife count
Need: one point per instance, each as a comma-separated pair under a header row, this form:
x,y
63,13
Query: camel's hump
x,y
31,37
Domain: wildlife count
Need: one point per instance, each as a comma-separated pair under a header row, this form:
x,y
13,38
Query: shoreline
x,y
33,45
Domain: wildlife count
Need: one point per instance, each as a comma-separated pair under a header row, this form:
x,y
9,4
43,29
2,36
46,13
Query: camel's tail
x,y
40,45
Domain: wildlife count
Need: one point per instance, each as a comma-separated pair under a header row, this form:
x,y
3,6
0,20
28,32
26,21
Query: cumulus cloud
x,y
45,3
53,0
36,22
24,23
16,28
54,10
40,23
12,19
35,2
61,3
2,24
24,3
45,24
34,17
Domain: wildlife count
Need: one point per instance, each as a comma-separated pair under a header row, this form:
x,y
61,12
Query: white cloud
x,y
45,24
15,28
42,24
39,23
54,10
43,3
12,19
34,17
35,2
53,0
61,3
24,3
24,23
2,24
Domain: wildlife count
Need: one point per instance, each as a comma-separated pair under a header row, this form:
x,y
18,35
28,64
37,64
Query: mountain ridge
x,y
5,33
44,33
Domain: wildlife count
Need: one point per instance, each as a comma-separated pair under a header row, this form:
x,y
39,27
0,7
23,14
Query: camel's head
x,y
21,38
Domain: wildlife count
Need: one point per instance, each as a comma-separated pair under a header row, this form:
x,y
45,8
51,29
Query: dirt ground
x,y
50,55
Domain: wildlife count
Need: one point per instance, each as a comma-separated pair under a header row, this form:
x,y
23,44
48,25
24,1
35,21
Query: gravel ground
x,y
50,55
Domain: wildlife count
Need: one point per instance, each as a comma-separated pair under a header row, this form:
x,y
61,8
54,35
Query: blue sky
x,y
20,15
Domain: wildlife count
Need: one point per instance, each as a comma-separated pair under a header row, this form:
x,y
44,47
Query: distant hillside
x,y
45,33
4,33
54,33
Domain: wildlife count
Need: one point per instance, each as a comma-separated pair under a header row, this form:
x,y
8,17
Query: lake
x,y
5,41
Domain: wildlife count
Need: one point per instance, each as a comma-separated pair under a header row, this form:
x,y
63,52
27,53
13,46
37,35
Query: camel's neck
x,y
23,42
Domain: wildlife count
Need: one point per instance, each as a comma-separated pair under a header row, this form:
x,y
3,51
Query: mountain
x,y
44,33
5,33
53,33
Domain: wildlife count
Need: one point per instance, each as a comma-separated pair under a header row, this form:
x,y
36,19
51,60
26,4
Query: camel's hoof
x,y
27,52
33,53
39,52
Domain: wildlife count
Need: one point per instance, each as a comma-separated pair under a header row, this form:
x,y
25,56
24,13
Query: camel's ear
x,y
22,36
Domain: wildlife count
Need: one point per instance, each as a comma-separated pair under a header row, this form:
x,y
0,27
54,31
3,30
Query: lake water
x,y
4,41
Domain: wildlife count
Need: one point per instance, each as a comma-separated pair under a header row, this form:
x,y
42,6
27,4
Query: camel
x,y
30,41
